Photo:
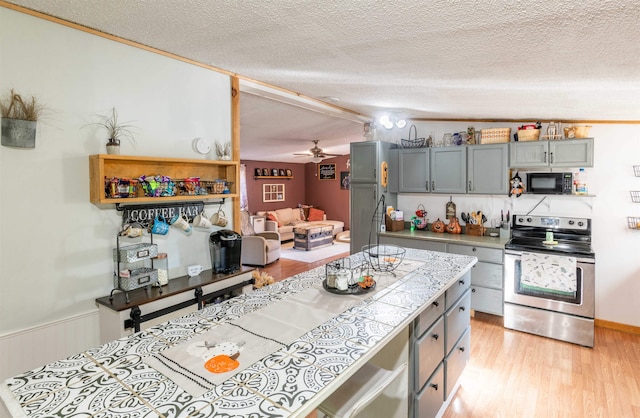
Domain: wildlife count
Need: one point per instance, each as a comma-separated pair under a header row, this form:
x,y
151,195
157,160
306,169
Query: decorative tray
x,y
353,289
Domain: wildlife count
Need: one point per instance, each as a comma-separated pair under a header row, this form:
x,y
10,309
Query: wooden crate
x,y
478,230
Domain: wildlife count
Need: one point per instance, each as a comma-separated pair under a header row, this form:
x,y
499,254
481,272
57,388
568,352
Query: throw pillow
x,y
272,217
315,215
246,227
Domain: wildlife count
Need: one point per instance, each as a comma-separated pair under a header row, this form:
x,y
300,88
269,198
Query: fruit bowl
x,y
383,257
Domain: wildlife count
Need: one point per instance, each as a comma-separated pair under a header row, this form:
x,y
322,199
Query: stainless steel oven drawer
x,y
456,361
457,320
429,352
492,255
452,294
429,315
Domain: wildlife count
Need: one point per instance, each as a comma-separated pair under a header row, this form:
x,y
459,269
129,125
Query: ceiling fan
x,y
316,153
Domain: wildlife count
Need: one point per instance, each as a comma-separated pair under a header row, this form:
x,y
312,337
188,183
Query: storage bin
x,y
495,135
477,230
139,277
392,225
528,135
136,252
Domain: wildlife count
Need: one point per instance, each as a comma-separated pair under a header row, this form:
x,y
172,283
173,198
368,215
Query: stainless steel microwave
x,y
550,183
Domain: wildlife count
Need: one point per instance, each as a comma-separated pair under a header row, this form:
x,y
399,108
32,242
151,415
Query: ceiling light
x,y
316,160
388,121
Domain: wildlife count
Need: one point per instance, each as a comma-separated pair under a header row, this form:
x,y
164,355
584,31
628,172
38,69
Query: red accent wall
x,y
305,187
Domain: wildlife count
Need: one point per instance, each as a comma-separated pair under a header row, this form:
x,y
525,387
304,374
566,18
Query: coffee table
x,y
310,237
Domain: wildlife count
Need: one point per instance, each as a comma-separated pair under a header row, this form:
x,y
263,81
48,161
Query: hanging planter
x,y
19,121
18,133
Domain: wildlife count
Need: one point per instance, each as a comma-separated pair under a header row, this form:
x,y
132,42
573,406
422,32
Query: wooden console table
x,y
182,295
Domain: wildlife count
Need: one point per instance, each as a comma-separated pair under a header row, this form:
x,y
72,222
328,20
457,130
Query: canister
x,y
161,263
342,279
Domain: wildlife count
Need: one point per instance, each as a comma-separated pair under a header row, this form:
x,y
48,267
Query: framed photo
x,y
265,171
274,172
273,192
326,171
345,180
258,172
289,173
281,172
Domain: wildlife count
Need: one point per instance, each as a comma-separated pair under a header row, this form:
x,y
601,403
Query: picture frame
x,y
274,172
289,173
345,180
281,172
326,171
273,193
258,172
265,171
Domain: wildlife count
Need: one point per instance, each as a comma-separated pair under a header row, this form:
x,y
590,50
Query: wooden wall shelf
x,y
272,177
103,166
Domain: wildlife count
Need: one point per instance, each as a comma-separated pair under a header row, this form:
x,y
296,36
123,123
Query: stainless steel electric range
x,y
550,278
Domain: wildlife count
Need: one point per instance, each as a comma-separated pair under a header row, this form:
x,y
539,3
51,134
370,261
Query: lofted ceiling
x,y
442,59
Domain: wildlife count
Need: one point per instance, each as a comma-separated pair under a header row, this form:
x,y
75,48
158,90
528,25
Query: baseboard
x,y
631,329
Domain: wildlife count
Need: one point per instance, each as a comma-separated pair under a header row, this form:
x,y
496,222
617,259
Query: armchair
x,y
258,249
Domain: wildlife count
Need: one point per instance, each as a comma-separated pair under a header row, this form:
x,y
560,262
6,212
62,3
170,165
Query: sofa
x,y
285,220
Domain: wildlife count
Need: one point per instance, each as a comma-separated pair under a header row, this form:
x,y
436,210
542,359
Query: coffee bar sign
x,y
146,214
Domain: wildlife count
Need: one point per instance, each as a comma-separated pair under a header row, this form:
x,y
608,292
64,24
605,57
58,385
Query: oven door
x,y
582,304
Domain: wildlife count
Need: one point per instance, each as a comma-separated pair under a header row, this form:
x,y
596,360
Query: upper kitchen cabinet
x,y
561,153
364,162
413,169
448,169
487,169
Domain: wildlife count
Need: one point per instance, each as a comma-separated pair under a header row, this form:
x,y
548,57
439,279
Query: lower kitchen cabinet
x,y
429,399
440,347
486,277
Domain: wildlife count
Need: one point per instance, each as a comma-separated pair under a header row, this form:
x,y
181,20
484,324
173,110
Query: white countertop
x,y
308,358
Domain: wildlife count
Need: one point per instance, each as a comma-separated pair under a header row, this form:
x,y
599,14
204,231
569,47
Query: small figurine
x,y
517,187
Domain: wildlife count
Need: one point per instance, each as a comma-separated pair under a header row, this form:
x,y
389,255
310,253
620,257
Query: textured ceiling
x,y
510,59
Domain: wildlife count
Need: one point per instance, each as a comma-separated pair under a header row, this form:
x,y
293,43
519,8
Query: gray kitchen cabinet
x,y
415,243
487,169
366,190
364,161
448,169
440,349
561,153
486,277
413,169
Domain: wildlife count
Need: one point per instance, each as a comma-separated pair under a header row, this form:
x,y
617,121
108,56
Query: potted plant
x,y
116,131
19,117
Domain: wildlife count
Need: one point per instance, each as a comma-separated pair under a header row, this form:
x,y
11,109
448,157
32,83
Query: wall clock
x,y
201,145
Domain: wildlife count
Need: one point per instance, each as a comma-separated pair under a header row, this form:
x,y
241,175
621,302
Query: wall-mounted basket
x,y
634,222
18,133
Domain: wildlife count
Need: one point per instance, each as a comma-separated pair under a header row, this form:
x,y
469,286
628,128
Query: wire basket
x,y
415,142
383,257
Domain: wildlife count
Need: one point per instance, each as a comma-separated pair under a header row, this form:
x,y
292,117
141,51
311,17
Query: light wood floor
x,y
514,374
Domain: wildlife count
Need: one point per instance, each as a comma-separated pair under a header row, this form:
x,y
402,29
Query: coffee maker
x,y
225,246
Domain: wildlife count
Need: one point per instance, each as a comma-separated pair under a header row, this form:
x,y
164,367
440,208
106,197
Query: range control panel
x,y
552,222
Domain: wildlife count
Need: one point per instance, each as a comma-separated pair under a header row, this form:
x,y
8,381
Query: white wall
x,y
617,150
55,246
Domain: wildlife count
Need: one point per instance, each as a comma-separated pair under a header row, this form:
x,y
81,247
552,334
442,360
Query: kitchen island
x,y
298,344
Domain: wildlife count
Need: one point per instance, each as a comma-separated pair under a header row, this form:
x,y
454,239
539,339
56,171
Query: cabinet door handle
x,y
436,303
426,185
545,156
551,157
461,349
473,290
470,187
435,337
433,185
474,250
462,309
461,282
434,386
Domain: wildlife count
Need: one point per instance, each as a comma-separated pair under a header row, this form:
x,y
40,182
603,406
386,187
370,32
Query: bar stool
x,y
359,391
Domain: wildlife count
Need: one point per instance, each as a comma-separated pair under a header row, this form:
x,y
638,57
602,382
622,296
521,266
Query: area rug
x,y
314,255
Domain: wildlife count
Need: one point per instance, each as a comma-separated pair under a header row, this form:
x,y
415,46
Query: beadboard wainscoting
x,y
32,347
